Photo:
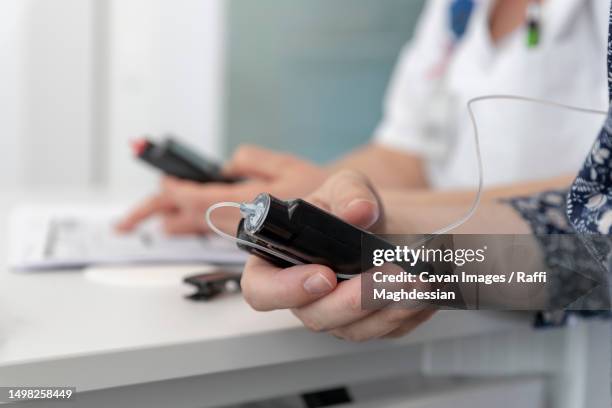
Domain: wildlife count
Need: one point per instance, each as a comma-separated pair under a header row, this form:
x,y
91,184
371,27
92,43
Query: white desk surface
x,y
59,326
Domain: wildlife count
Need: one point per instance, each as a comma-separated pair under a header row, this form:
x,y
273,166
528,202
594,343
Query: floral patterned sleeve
x,y
546,214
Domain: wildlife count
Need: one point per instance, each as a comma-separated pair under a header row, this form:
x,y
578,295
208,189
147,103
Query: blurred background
x,y
81,78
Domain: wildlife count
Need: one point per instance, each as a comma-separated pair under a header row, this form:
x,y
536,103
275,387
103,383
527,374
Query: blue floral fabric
x,y
610,56
589,202
565,253
545,212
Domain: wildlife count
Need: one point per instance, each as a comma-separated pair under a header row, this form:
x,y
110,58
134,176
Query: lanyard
x,y
460,13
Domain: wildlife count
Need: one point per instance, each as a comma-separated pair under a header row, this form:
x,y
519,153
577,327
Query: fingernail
x,y
317,284
373,216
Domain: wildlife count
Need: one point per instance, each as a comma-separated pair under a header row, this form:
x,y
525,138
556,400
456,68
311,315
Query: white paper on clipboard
x,y
60,237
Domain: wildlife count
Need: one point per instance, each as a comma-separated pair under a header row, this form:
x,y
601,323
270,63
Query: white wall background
x,y
11,17
80,78
58,92
165,76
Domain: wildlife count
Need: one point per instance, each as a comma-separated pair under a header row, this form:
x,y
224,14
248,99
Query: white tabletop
x,y
62,323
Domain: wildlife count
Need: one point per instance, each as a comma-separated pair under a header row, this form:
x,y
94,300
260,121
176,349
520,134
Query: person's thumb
x,y
266,287
350,196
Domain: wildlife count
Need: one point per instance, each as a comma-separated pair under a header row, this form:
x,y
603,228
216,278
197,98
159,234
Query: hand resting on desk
x,y
182,204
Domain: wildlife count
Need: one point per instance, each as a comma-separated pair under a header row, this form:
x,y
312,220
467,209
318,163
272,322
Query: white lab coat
x,y
519,141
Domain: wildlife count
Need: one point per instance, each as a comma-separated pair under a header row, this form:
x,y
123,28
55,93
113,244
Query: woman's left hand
x,y
312,292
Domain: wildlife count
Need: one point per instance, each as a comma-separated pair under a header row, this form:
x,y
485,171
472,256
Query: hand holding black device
x,y
178,160
295,232
302,234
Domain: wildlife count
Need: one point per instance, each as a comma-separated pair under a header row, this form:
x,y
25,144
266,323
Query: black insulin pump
x,y
179,160
302,234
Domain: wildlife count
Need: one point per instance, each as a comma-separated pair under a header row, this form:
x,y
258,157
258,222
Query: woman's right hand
x,y
181,204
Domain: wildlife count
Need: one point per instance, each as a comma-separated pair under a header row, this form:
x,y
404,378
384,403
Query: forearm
x,y
386,168
462,197
428,211
491,217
